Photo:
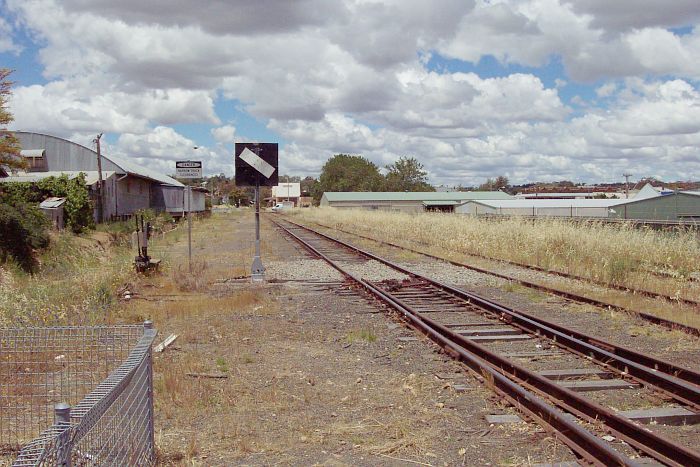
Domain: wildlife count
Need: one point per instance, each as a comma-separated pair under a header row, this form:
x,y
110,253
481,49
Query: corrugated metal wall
x,y
677,206
64,155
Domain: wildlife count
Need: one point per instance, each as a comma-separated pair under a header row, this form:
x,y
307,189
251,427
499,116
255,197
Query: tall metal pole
x,y
100,195
189,225
257,273
627,185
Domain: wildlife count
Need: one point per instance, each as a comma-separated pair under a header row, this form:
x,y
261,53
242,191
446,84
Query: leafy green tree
x,y
407,174
9,145
344,172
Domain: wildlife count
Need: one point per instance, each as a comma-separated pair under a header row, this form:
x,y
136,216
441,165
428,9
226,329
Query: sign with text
x,y
256,163
188,169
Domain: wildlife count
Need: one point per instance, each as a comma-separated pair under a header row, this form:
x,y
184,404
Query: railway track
x,y
564,380
670,324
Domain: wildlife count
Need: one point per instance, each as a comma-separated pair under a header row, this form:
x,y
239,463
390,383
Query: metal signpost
x,y
256,165
188,169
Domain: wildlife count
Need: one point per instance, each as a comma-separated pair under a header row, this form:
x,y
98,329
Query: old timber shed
x,y
133,187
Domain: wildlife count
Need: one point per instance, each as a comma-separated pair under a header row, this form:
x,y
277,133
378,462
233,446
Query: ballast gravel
x,y
301,269
450,274
372,270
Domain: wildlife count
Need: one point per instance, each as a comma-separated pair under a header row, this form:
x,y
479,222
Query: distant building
x,y
287,192
539,207
682,206
406,201
128,186
648,205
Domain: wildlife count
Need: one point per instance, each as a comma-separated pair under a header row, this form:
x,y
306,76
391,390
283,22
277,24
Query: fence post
x,y
63,448
148,325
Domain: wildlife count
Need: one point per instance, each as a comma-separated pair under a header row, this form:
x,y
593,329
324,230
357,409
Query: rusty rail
x,y
562,293
476,355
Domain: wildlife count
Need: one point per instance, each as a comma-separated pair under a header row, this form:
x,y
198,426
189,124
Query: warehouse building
x,y
540,207
683,206
648,205
406,201
130,188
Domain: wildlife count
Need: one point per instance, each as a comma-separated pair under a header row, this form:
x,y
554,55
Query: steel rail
x,y
654,445
644,292
582,442
571,296
654,364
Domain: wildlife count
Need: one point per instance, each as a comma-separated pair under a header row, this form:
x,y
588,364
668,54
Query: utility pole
x,y
100,195
627,185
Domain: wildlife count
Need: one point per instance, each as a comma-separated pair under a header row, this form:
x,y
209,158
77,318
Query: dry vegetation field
x,y
77,282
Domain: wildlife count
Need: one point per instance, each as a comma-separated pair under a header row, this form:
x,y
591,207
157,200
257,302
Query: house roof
x,y
413,195
91,176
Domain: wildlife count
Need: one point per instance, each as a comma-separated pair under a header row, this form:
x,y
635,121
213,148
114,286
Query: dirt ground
x,y
303,370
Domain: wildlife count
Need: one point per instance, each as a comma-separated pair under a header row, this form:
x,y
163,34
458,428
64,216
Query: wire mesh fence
x,y
103,377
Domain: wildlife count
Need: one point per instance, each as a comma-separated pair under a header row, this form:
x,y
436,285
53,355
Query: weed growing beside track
x,y
614,254
78,281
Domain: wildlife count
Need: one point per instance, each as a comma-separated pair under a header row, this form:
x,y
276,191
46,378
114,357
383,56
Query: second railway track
x,y
565,380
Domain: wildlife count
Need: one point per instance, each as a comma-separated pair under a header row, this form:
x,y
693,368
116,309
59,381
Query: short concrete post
x,y
63,449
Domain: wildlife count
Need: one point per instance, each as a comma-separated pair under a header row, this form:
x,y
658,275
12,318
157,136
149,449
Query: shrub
x,y
77,209
23,229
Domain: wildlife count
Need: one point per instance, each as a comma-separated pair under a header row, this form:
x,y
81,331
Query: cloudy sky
x,y
533,89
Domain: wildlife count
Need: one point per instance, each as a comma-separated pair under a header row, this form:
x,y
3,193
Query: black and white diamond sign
x,y
256,163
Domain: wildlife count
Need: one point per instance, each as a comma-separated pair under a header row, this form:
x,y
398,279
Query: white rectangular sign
x,y
188,169
257,163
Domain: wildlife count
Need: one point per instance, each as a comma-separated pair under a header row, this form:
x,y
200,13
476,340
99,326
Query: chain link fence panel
x,y
77,395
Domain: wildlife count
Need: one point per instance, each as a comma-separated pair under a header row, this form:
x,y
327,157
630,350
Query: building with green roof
x,y
415,201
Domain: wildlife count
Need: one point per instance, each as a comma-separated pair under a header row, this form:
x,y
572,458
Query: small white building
x,y
286,192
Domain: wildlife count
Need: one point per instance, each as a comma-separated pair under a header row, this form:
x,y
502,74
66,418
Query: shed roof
x,y
32,152
91,176
441,203
647,191
549,203
413,195
144,172
52,203
126,166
